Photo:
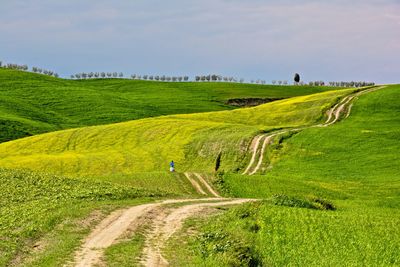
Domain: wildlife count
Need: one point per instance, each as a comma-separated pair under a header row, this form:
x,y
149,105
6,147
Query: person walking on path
x,y
172,166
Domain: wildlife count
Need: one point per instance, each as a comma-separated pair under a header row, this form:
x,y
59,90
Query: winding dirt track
x,y
334,114
209,188
165,219
195,184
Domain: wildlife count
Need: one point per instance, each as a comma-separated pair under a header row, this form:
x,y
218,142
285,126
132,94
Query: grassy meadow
x,y
329,196
352,167
119,164
31,103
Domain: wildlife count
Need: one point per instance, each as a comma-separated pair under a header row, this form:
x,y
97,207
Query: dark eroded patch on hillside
x,y
250,102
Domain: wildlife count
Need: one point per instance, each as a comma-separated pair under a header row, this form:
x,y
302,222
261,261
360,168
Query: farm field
x,y
332,198
325,212
32,103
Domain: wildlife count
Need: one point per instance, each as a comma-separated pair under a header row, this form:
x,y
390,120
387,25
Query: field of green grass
x,y
331,196
147,145
31,103
112,162
54,209
353,165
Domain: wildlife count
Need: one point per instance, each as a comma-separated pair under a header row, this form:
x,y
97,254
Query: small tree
x,y
296,78
121,75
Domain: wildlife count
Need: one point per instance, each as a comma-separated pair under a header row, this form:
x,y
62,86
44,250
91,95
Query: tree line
x,y
351,84
342,84
163,78
96,75
197,78
26,68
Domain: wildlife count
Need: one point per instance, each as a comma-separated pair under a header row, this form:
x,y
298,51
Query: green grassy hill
x,y
192,141
331,195
354,165
31,103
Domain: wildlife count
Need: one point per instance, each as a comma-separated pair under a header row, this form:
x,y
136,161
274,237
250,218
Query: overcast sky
x,y
253,39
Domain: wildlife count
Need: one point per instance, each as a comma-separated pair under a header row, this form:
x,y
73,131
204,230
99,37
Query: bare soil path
x,y
209,188
165,221
195,184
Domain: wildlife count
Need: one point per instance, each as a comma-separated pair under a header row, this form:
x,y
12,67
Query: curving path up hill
x,y
260,143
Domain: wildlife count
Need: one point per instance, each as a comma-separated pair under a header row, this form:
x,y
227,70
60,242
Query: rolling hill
x,y
126,159
193,141
32,103
328,195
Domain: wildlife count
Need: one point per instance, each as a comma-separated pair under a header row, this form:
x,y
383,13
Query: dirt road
x,y
165,220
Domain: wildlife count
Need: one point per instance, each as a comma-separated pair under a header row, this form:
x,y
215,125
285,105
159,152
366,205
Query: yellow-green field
x,y
192,141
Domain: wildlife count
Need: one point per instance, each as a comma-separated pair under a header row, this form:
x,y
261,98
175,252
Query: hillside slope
x,y
31,103
192,141
332,196
360,151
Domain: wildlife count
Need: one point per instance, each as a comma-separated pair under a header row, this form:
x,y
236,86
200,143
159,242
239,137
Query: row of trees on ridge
x,y
26,68
96,75
197,78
